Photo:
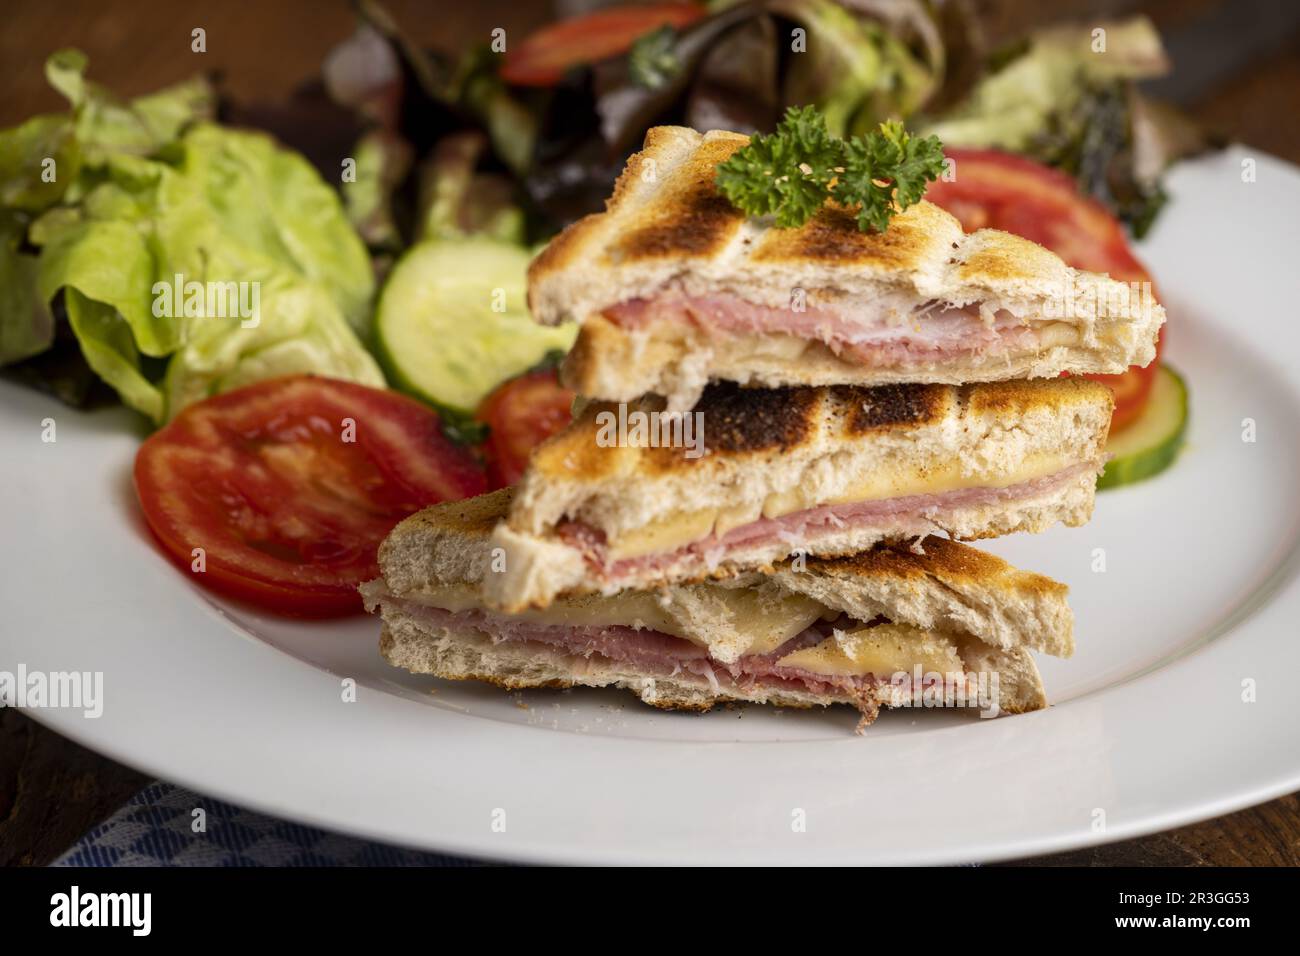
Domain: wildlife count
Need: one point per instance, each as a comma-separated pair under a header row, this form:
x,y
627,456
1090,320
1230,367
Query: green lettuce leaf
x,y
228,210
106,342
106,126
29,183
273,202
299,329
1011,108
26,324
856,68
109,262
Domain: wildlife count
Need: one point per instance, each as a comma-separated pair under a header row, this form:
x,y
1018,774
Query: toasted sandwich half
x,y
776,472
675,288
876,629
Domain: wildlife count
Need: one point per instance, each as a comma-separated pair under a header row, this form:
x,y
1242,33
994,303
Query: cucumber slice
x,y
1149,445
440,337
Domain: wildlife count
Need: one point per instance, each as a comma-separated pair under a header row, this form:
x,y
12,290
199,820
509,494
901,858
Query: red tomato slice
x,y
544,57
290,485
1003,191
522,413
1131,389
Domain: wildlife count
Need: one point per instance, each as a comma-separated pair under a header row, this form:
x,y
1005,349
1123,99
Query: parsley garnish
x,y
791,173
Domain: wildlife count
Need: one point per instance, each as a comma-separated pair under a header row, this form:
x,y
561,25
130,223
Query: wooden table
x,y
1237,69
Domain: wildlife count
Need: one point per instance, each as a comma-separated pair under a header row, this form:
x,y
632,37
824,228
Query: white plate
x,y
1149,729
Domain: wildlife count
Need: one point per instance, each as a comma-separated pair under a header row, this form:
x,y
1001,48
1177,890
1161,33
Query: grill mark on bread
x,y
892,406
745,421
690,217
703,224
740,419
832,235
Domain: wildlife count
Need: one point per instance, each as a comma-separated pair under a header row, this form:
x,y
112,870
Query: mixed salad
x,y
321,305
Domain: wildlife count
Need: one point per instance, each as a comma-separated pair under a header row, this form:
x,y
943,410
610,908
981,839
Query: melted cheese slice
x,y
1057,333
684,528
884,650
751,621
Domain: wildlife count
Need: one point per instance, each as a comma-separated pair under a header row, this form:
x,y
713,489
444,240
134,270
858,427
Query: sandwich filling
x,y
873,334
831,656
708,537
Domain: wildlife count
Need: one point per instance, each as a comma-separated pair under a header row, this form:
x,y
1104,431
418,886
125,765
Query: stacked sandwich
x,y
857,393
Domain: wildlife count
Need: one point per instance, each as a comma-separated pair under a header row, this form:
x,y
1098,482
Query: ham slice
x,y
870,334
908,514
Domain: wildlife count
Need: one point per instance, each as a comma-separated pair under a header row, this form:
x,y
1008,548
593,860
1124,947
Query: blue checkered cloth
x,y
156,828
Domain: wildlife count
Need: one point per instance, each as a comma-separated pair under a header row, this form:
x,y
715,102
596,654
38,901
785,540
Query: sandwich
x,y
675,288
936,623
610,503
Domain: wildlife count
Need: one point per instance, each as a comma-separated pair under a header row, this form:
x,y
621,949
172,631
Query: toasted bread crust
x,y
1019,397
663,145
1003,257
941,558
665,205
472,517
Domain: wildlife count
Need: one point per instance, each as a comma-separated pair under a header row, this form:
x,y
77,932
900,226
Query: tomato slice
x,y
289,486
1131,389
1003,191
545,56
521,414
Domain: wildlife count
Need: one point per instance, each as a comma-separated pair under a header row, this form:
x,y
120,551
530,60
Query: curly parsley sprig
x,y
791,173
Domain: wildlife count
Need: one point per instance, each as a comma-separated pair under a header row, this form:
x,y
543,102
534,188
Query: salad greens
x,y
791,173
26,324
652,61
149,196
104,206
854,68
1067,99
1011,107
